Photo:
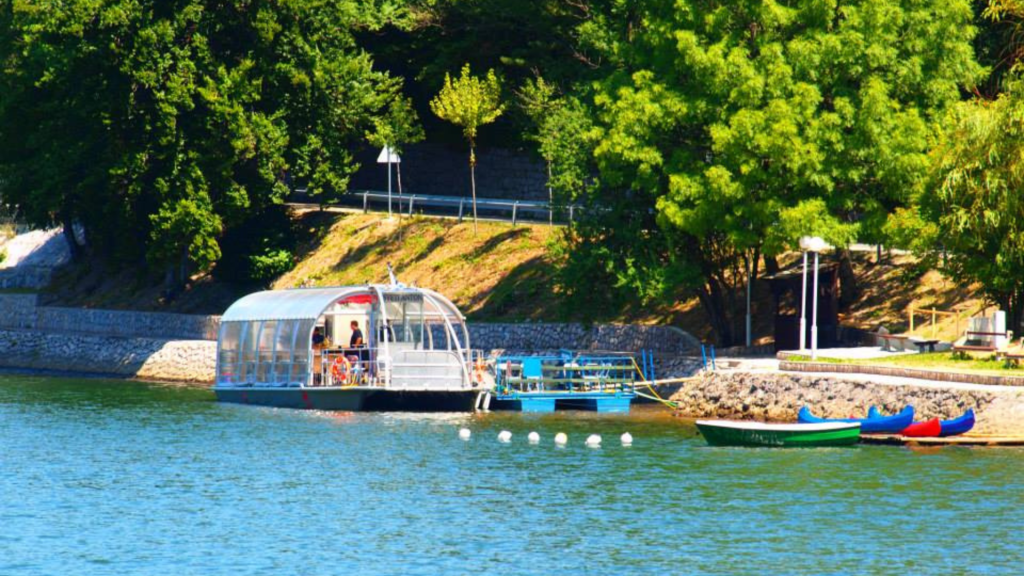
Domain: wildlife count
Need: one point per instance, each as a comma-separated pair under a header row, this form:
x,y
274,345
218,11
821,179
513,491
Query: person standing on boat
x,y
356,344
356,341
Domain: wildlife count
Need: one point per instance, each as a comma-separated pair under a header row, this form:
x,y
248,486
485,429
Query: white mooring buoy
x,y
534,438
627,439
464,433
593,441
561,439
504,436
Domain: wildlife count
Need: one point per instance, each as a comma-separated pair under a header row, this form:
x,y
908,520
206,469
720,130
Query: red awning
x,y
359,299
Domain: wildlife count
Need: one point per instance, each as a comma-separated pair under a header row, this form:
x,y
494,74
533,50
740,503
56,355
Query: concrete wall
x,y
778,396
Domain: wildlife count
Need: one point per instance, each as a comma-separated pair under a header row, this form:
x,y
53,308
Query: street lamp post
x,y
388,156
816,245
803,309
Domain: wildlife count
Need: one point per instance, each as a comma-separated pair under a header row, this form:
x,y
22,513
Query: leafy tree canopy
x,y
744,125
157,124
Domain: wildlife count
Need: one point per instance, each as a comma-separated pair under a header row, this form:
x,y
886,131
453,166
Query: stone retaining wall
x,y
21,311
778,397
143,358
25,277
552,336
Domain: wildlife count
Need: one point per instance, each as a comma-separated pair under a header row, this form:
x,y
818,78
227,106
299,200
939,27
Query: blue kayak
x,y
880,425
953,427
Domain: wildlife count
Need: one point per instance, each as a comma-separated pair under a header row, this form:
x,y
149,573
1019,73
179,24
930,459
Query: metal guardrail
x,y
513,210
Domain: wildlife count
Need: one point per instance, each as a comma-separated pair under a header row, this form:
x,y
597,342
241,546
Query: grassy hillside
x,y
501,272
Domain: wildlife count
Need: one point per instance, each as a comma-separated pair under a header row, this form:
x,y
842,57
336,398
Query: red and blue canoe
x,y
953,427
925,429
881,425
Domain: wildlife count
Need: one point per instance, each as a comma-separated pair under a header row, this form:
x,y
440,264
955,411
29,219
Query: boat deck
x,y
898,440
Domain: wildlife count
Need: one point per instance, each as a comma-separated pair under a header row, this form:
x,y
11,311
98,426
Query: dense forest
x,y
709,135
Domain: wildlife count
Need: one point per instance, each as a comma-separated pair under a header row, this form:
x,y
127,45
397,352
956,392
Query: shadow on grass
x,y
526,292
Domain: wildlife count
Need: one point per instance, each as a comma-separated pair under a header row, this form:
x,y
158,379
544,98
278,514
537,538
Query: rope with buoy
x,y
650,385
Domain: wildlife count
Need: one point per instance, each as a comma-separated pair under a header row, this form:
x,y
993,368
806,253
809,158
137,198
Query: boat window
x,y
283,342
300,350
265,350
405,316
230,336
247,366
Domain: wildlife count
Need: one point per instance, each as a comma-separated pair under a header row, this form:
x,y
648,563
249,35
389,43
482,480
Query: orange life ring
x,y
341,369
480,371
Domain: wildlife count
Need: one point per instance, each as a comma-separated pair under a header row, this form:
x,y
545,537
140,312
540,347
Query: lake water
x,y
101,477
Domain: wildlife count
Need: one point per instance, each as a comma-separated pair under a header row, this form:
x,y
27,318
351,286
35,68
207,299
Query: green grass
x,y
945,361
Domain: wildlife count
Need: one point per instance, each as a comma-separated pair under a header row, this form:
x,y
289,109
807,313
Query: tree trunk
x,y
849,291
771,265
398,169
74,248
551,199
472,180
710,296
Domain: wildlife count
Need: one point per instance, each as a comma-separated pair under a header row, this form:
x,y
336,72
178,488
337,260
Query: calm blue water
x,y
100,477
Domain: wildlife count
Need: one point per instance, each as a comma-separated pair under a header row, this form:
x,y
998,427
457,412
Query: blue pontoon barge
x,y
544,383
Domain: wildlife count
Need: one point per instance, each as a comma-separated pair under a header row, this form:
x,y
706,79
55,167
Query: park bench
x,y
891,341
976,341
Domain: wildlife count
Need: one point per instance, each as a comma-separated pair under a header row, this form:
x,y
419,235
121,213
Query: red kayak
x,y
927,429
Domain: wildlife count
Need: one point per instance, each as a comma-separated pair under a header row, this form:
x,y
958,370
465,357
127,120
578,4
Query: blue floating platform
x,y
548,401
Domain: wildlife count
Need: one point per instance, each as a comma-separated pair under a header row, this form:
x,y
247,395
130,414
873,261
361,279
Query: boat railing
x,y
565,374
346,367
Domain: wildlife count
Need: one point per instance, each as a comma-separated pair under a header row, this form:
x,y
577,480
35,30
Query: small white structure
x,y
504,436
533,438
465,434
593,441
627,439
561,439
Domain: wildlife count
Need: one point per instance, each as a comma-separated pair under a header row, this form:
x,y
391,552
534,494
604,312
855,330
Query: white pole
x,y
803,309
814,312
748,303
389,181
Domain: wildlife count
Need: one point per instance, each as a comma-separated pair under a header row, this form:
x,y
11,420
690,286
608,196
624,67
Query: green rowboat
x,y
736,433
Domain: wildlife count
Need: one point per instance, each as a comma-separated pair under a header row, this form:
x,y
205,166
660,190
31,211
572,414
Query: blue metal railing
x,y
566,374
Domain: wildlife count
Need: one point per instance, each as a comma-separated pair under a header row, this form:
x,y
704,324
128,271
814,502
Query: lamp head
x,y
813,244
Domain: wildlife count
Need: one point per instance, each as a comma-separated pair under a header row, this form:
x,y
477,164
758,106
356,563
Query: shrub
x,y
271,264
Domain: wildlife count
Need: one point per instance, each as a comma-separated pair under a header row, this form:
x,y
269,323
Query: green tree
x,y
397,128
158,125
974,211
728,130
564,133
469,102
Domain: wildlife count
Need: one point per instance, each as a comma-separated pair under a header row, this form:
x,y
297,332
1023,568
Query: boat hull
x,y
882,425
954,427
352,399
726,433
926,429
957,426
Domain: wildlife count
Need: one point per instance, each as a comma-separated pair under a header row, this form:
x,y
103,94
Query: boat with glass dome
x,y
374,347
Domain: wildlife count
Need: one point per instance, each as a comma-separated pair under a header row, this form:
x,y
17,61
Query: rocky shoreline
x,y
777,397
